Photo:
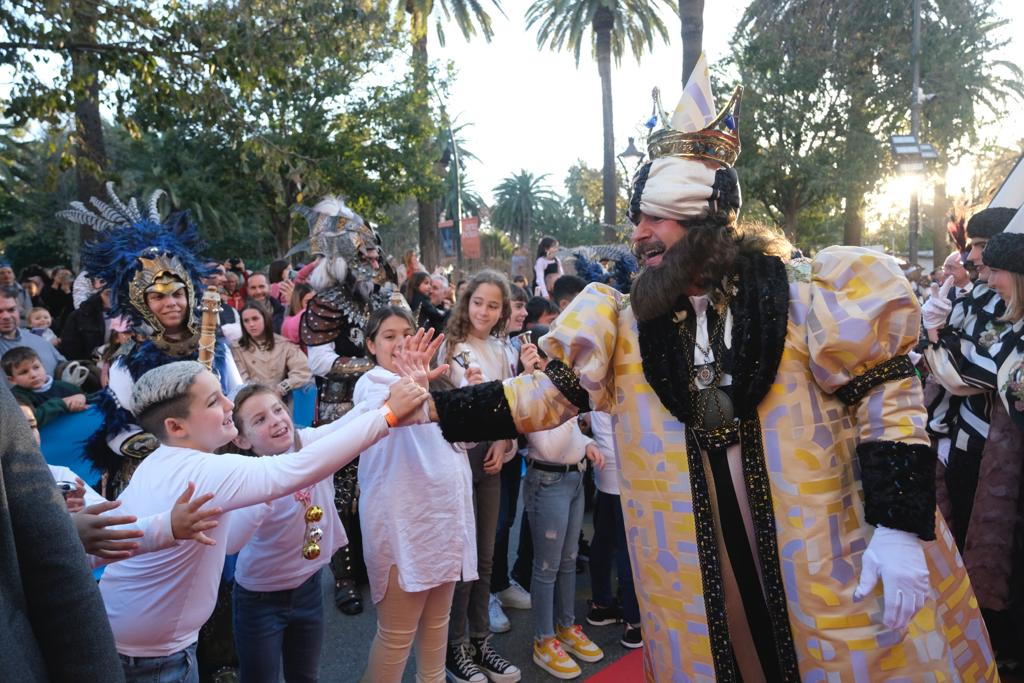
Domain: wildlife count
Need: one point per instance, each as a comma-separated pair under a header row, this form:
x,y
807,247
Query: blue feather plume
x,y
114,255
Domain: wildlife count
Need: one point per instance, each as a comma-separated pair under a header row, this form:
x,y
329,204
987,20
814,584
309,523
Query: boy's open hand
x,y
98,540
414,354
190,520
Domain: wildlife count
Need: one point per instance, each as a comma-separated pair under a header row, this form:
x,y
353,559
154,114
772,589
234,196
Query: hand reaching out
x,y
405,397
936,310
474,375
414,354
190,520
109,544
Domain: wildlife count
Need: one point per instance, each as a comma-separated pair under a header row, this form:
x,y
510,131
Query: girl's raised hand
x,y
595,456
413,355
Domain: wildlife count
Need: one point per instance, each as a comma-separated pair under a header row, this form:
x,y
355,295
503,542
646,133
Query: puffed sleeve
x,y
862,323
578,378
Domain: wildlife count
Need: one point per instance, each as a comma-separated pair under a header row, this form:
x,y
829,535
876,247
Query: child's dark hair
x,y
152,418
299,292
247,341
15,357
545,243
413,285
567,287
377,319
538,306
519,294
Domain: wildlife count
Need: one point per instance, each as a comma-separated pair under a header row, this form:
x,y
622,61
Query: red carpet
x,y
629,669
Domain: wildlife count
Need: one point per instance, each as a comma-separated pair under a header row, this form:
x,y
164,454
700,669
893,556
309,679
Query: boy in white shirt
x,y
157,602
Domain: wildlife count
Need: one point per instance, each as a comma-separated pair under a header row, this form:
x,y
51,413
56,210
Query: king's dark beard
x,y
657,289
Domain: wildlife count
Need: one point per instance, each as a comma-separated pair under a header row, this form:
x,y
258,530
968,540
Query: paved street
x,y
348,639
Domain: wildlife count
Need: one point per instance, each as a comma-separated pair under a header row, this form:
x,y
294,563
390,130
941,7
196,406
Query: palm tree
x,y
456,185
613,25
467,15
518,200
691,17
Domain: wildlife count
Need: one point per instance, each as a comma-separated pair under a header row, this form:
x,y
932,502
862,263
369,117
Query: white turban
x,y
678,188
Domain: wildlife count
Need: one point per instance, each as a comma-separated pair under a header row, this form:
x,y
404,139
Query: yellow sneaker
x,y
549,655
574,640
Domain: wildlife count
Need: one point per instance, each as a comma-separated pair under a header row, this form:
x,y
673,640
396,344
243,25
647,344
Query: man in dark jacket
x,y
55,627
85,329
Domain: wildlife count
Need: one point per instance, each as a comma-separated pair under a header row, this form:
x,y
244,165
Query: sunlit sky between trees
x,y
534,109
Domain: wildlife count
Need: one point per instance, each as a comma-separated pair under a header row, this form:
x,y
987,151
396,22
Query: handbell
x,y
314,514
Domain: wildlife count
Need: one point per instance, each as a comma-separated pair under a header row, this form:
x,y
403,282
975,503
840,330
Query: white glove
x,y
936,310
898,559
74,373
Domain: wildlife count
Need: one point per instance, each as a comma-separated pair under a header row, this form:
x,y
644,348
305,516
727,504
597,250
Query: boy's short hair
x,y
567,287
17,356
519,294
162,393
40,309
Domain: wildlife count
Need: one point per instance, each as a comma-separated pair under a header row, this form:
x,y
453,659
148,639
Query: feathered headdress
x,y
135,253
620,275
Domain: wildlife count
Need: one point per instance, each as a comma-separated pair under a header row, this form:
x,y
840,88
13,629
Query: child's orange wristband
x,y
390,416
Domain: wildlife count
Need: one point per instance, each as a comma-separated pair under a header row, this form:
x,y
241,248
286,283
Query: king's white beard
x,y
328,273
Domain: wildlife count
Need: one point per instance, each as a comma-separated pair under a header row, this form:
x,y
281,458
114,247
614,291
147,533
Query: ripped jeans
x,y
554,503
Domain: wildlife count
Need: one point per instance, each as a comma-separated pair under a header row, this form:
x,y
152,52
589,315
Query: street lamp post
x,y
911,156
457,218
629,158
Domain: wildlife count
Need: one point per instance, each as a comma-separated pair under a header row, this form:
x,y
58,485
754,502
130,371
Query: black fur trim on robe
x,y
899,486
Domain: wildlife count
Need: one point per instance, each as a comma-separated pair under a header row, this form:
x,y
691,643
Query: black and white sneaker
x,y
460,667
632,638
602,616
494,666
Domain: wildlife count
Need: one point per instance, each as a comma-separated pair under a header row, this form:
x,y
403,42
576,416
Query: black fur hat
x,y
989,222
1005,251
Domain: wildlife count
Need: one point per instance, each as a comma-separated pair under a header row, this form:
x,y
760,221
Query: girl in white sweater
x,y
416,515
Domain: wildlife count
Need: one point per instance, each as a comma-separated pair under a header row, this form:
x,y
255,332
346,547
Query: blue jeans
x,y
280,632
181,667
554,502
610,544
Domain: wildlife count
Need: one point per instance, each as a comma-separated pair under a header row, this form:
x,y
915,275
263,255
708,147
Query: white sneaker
x,y
499,622
516,597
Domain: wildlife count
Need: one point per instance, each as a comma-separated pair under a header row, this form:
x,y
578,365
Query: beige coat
x,y
284,365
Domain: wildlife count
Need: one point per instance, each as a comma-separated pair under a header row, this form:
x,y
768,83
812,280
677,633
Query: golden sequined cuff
x,y
897,367
568,382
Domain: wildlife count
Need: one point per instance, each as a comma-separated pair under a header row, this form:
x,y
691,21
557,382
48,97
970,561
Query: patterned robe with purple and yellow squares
x,y
849,310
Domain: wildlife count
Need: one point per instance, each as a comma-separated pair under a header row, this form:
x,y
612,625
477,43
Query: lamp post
x,y
631,153
911,158
457,218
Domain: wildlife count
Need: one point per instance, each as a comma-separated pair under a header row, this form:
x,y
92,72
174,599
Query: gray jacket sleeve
x,y
55,626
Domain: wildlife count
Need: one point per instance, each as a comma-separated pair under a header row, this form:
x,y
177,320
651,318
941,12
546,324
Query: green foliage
x,y
241,111
520,201
827,83
633,24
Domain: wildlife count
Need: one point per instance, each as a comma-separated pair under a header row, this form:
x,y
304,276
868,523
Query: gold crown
x,y
718,142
